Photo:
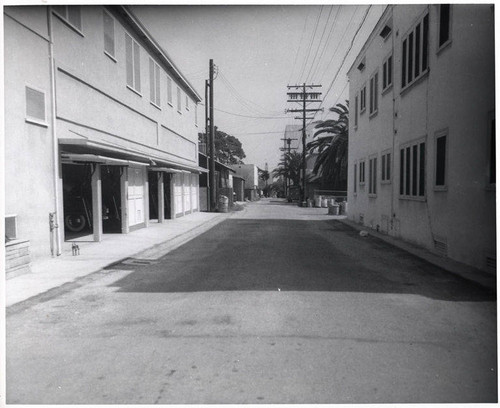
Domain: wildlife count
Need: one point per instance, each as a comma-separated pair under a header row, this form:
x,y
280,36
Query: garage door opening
x,y
77,201
111,199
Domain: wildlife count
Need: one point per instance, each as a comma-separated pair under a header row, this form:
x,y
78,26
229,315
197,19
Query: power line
x,y
319,43
345,57
246,116
310,45
300,45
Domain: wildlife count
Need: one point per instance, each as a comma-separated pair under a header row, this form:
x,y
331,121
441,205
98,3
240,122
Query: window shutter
x,y
157,78
152,87
137,67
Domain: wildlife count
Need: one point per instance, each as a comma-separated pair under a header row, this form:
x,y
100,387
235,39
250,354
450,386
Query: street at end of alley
x,y
276,304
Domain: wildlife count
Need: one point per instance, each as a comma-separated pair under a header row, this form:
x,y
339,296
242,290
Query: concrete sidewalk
x,y
146,243
467,272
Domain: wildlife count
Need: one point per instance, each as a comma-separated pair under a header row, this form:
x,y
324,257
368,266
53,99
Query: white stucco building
x,y
100,126
422,130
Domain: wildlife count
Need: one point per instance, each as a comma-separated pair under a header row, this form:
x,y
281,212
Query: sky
x,y
259,50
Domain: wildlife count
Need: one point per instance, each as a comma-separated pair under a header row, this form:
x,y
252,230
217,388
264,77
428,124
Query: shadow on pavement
x,y
294,255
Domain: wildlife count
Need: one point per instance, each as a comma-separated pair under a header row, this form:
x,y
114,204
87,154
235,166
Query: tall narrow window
x,y
133,67
412,170
187,102
444,24
356,111
355,184
154,82
414,52
362,106
35,105
440,161
361,172
374,93
372,182
109,34
179,103
387,73
386,167
170,97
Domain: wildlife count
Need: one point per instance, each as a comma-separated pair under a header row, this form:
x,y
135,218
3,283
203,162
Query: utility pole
x,y
303,98
207,144
213,198
285,150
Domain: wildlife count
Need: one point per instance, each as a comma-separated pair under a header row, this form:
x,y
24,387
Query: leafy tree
x,y
228,149
331,143
264,175
290,167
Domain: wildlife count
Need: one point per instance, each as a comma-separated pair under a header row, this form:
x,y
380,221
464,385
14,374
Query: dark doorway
x,y
167,180
111,199
153,194
77,200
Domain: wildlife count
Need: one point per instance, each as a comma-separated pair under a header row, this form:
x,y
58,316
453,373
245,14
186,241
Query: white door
x,y
135,195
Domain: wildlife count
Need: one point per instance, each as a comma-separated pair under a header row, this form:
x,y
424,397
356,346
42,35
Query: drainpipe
x,y
55,144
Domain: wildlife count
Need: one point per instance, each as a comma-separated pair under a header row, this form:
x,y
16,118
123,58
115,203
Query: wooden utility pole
x,y
304,97
213,198
207,143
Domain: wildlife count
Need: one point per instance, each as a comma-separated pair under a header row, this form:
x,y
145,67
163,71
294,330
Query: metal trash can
x,y
223,204
333,209
343,207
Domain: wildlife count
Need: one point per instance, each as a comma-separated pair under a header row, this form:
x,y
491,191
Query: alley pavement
x,y
156,240
277,304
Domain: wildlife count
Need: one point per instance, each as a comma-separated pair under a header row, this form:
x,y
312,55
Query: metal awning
x,y
93,158
83,147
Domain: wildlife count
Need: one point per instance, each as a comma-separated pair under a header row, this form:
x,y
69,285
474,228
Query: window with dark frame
x,y
372,181
374,93
71,14
109,33
170,98
386,167
440,180
415,45
356,110
355,184
444,23
412,171
362,104
387,73
362,172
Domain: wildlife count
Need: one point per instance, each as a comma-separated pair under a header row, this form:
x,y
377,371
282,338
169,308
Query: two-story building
x,y
422,130
101,127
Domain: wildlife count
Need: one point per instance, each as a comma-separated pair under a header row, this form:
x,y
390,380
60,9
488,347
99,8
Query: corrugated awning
x,y
119,155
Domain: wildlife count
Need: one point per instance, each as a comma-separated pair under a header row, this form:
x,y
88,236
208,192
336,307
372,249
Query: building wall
x,y
456,96
93,102
249,172
29,168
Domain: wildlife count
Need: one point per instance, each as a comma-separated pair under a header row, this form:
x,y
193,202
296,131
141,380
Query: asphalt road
x,y
274,305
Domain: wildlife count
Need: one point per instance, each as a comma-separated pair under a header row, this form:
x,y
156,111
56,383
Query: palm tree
x,y
331,143
290,167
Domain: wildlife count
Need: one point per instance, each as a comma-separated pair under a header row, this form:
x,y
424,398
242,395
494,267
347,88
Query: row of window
x,y
72,16
412,169
414,60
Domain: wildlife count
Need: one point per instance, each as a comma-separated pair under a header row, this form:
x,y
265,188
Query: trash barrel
x,y
333,209
317,201
223,204
324,202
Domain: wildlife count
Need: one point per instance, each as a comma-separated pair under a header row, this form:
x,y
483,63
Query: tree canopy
x,y
331,143
290,167
228,149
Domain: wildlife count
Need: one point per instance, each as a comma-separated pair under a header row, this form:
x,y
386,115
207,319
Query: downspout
x,y
393,161
55,144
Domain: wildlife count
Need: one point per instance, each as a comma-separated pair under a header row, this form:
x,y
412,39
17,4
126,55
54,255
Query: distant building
x,y
422,130
101,127
250,173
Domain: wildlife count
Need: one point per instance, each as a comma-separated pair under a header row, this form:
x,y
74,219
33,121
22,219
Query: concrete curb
x,y
467,272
